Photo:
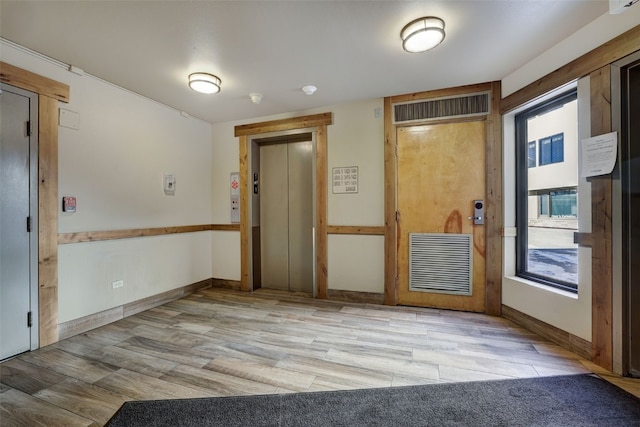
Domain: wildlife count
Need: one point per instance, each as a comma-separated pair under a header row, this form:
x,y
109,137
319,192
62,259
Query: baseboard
x,y
357,297
226,284
564,339
92,321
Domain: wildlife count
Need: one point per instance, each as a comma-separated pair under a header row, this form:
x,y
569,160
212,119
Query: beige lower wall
x,y
148,266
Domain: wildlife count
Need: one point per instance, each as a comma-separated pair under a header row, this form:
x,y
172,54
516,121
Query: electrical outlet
x,y
117,284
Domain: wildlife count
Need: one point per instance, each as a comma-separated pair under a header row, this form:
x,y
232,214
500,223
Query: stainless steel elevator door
x,y
15,252
286,216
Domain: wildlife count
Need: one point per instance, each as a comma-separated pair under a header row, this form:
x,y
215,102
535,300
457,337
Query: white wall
x,y
589,37
571,313
356,138
113,164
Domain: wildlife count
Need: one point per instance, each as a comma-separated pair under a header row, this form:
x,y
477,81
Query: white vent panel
x,y
441,263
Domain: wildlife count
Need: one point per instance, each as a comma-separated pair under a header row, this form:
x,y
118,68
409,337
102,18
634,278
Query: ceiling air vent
x,y
471,105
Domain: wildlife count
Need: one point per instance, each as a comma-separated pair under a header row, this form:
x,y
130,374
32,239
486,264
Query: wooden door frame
x,y
318,123
49,93
493,196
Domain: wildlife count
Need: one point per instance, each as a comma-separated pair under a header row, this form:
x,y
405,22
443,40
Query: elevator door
x,y
286,216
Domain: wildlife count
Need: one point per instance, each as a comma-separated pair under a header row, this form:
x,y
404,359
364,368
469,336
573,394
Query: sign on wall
x,y
598,154
345,180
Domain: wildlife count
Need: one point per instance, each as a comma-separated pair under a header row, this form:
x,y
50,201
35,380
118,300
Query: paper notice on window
x,y
598,154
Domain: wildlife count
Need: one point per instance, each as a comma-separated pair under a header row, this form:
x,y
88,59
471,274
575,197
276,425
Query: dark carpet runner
x,y
575,400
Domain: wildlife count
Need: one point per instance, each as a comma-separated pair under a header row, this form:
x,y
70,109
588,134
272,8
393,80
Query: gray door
x,y
18,192
286,216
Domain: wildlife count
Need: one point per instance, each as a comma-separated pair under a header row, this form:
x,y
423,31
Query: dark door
x,y
631,207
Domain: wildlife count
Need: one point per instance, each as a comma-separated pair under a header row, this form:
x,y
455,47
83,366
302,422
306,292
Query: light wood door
x,y
441,171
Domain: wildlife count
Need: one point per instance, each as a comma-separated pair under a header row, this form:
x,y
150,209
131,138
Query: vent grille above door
x,y
471,105
441,263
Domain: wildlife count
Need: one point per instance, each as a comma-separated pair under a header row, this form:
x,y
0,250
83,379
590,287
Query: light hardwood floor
x,y
221,342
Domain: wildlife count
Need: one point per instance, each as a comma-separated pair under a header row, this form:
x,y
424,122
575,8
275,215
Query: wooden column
x,y
321,212
601,207
390,230
493,205
48,220
245,226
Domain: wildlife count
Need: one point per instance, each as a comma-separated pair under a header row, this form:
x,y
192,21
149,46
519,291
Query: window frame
x,y
522,187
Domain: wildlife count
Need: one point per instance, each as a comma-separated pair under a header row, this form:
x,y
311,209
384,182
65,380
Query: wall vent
x,y
471,105
441,263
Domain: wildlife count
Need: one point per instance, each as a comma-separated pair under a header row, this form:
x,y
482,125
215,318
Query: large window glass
x,y
547,192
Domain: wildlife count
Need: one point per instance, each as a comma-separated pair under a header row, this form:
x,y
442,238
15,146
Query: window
x,y
544,205
532,154
552,149
547,196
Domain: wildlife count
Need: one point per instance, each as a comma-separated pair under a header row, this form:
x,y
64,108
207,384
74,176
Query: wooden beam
x,y
599,57
601,229
302,122
493,206
366,230
459,90
322,284
32,82
390,230
245,224
48,220
96,236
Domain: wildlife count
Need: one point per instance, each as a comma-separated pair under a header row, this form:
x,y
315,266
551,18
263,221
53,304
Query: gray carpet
x,y
576,400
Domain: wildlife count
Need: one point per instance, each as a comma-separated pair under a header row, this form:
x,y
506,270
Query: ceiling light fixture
x,y
309,90
204,82
255,97
422,34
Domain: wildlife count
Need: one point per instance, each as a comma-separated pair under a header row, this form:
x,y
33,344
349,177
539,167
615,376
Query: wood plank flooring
x,y
221,342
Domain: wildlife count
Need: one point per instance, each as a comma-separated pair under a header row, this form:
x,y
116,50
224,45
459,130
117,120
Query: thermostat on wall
x,y
69,204
169,183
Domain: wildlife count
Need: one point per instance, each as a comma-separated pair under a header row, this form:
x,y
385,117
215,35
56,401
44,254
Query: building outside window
x,y
531,158
547,195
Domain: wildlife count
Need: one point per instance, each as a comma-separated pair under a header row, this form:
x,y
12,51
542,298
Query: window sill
x,y
522,281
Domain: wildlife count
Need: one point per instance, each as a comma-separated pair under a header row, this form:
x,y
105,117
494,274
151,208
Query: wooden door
x,y
441,172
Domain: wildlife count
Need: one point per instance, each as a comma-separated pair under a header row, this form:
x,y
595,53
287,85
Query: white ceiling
x,y
350,50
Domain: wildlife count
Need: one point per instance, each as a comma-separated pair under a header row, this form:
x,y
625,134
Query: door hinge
x,y
396,150
29,128
397,216
29,320
28,224
397,280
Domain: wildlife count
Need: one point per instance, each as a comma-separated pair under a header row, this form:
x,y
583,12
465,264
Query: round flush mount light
x,y
204,82
309,89
422,34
